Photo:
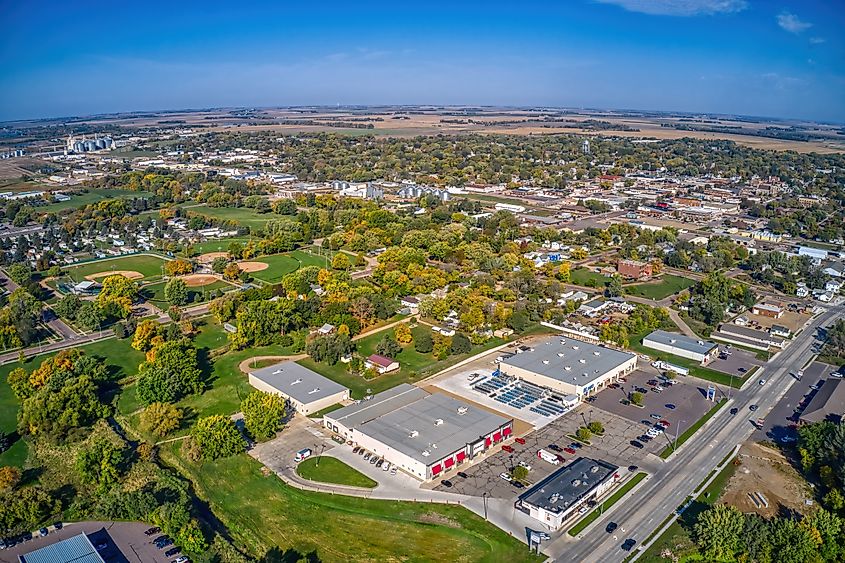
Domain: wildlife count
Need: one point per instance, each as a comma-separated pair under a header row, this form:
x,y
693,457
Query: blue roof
x,y
77,549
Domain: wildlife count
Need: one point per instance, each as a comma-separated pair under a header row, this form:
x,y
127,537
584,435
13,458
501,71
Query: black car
x,y
611,526
734,410
151,531
575,445
637,444
517,484
171,552
629,543
752,408
57,525
43,532
27,536
555,448
462,475
446,483
632,468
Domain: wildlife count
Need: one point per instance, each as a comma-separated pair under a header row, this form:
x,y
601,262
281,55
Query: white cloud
x,y
680,7
791,23
817,40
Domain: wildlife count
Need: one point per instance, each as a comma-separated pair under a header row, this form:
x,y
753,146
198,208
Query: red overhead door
x,y
436,469
461,456
487,441
497,436
507,431
449,463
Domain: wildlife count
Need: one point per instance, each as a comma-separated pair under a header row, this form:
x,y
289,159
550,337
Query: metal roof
x,y
567,360
827,403
681,341
356,414
76,549
432,427
566,486
297,382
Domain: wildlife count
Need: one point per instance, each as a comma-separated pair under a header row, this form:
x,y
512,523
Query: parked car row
x,y
26,536
380,463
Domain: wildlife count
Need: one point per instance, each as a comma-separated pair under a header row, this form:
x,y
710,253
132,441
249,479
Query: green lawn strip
x,y
668,285
687,434
605,505
414,365
337,528
148,265
325,469
677,538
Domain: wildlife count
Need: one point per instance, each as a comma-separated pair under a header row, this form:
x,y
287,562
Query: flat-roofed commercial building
x,y
75,549
424,434
570,367
307,391
681,345
557,497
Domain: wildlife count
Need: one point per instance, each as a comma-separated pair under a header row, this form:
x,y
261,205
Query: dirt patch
x,y
253,266
210,257
131,274
767,471
199,280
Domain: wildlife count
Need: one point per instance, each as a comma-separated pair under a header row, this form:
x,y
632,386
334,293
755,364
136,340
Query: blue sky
x,y
752,57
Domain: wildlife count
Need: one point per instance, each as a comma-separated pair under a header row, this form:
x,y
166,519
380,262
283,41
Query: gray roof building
x,y
433,426
564,488
827,404
297,382
359,413
76,549
682,341
567,360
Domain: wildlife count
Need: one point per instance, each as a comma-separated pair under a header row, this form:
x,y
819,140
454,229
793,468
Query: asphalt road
x,y
680,475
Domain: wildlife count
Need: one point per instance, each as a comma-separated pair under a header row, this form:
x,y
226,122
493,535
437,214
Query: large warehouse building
x,y
554,499
570,367
307,391
424,434
701,351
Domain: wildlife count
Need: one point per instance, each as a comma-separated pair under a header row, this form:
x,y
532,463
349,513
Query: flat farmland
x,y
146,264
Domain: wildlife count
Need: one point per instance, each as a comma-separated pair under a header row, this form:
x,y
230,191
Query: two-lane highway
x,y
681,474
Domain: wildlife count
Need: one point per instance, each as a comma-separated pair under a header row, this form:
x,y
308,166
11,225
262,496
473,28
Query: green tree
x,y
20,273
792,541
24,508
614,287
160,419
387,346
423,343
340,261
176,292
218,265
583,434
263,415
101,463
518,321
596,427
67,306
217,437
461,344
718,531
89,316
831,532
173,373
636,398
519,473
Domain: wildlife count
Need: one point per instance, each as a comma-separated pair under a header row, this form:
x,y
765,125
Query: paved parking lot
x,y
614,447
689,396
778,423
126,542
738,363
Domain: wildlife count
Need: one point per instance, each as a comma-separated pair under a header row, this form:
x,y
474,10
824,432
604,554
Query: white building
x,y
681,345
307,391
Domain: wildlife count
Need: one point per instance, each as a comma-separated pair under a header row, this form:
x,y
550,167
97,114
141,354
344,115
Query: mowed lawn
x,y
147,264
580,276
219,245
80,199
280,265
666,286
155,292
325,469
241,215
263,513
413,364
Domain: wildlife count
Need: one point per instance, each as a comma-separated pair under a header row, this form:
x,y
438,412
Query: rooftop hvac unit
x,y
314,390
414,433
546,362
672,341
576,482
462,410
295,381
582,360
438,422
594,469
426,453
575,347
596,353
560,354
568,368
701,343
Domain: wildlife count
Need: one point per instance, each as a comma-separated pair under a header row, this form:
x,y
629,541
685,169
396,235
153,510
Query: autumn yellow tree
x,y
403,334
144,334
178,267
232,271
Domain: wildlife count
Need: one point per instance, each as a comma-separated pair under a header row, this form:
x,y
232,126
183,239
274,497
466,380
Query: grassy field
x,y
605,505
414,365
220,245
668,285
80,199
146,264
677,537
667,451
279,265
155,292
241,215
325,469
580,276
336,528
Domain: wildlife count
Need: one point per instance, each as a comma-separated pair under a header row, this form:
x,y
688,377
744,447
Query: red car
x,y
664,423
508,449
570,451
520,441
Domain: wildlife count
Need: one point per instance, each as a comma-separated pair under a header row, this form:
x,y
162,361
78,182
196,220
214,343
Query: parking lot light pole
x,y
484,496
677,430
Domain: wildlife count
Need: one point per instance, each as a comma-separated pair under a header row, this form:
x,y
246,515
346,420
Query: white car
x,y
525,465
386,466
762,382
583,510
506,477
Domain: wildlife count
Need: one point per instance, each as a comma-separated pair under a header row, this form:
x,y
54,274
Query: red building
x,y
634,269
